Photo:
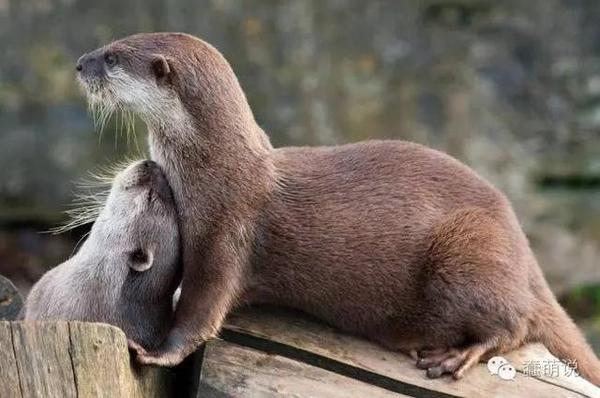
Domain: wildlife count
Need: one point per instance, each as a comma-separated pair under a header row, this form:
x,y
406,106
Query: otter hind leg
x,y
475,292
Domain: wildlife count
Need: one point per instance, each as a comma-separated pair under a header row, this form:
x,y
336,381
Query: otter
x,y
388,239
126,271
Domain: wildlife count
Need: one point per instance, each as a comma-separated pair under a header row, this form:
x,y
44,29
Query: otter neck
x,y
218,156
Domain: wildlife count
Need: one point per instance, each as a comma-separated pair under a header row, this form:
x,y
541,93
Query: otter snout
x,y
142,173
147,173
90,66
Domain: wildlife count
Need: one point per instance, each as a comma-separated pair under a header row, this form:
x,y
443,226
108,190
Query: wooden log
x,y
312,341
73,359
245,372
264,353
9,375
43,361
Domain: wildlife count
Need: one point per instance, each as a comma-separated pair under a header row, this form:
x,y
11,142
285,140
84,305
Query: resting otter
x,y
127,270
388,239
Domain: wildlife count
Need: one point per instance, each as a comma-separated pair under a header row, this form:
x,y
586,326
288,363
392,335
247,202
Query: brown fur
x,y
388,239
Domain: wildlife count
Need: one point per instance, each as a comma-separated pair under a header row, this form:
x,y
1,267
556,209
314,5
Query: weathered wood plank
x,y
541,354
9,377
297,331
43,360
59,359
108,380
244,372
102,366
73,359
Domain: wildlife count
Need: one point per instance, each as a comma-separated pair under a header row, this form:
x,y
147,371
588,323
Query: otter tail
x,y
557,331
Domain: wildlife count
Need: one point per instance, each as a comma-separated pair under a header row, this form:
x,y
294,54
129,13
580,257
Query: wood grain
x,y
298,331
244,372
266,353
102,366
73,359
9,384
43,360
567,380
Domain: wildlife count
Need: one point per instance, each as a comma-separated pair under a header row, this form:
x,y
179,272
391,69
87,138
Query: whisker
x,y
89,202
79,242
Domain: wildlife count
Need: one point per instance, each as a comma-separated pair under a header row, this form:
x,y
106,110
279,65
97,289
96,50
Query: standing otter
x,y
126,271
388,239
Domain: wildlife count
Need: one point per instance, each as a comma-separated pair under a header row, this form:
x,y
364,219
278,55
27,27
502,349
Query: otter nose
x,y
80,62
149,164
146,170
90,64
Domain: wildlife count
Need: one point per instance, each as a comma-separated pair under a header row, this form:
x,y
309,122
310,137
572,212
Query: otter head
x,y
127,270
164,78
139,218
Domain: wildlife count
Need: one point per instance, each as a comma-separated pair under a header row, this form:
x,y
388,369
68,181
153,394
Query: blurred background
x,y
512,88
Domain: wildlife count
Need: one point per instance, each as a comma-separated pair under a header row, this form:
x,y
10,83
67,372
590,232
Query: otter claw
x,y
137,348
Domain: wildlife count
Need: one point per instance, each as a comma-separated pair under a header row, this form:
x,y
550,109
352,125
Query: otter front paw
x,y
161,358
170,353
136,348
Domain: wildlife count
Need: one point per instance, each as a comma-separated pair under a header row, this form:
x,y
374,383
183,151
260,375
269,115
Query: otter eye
x,y
110,59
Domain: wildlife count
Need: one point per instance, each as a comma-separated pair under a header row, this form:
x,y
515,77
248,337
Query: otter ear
x,y
140,260
161,67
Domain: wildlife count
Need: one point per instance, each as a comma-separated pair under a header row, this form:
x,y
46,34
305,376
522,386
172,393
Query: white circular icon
x,y
507,372
495,363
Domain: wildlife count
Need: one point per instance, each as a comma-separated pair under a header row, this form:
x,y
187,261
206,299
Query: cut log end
x,y
73,359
